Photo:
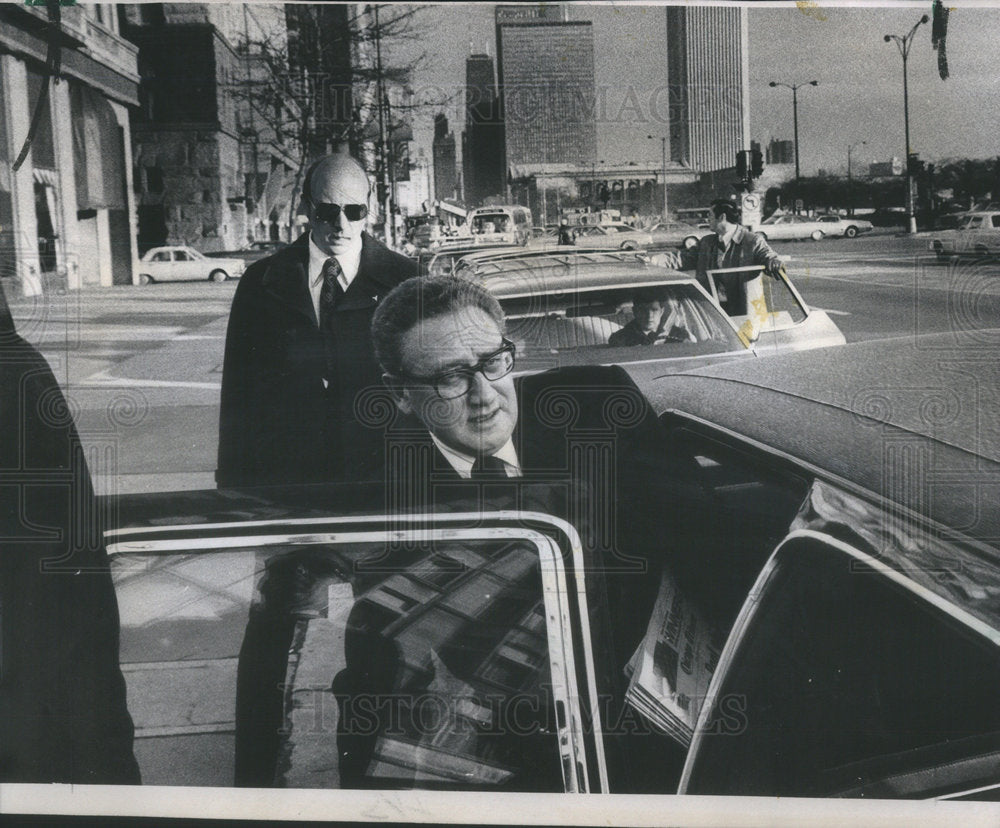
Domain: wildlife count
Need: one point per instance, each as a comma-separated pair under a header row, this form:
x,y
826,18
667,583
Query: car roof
x,y
845,410
545,273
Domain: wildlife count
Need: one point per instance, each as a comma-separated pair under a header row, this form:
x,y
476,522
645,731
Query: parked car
x,y
830,576
676,234
252,252
848,227
789,227
614,236
978,235
185,264
563,307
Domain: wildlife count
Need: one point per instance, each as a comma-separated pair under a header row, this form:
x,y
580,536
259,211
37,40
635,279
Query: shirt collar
x,y
349,261
462,462
727,239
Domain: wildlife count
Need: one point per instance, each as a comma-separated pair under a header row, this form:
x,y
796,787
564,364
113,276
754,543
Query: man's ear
x,y
400,395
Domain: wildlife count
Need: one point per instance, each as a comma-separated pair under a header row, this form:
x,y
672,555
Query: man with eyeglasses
x,y
299,356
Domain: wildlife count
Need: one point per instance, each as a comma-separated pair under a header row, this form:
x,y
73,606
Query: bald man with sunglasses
x,y
299,355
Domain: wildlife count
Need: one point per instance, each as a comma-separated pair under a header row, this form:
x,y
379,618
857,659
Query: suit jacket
x,y
278,423
62,696
746,248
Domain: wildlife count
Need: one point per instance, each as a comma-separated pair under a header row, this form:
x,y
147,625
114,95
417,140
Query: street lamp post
x,y
850,191
663,146
903,43
795,116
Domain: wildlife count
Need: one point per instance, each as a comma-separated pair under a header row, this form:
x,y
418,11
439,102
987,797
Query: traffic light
x,y
742,169
756,163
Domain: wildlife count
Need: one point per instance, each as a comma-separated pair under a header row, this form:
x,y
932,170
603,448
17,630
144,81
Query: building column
x,y
121,114
27,267
70,254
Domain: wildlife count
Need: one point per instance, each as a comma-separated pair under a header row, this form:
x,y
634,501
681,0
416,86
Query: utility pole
x,y
385,204
904,43
795,118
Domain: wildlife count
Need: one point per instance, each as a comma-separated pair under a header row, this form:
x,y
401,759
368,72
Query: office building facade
x,y
483,138
707,75
446,183
547,88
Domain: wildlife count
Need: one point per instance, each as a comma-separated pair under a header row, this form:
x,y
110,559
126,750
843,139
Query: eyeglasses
x,y
457,382
329,213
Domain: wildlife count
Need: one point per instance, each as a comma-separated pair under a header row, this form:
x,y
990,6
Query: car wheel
x,y
816,235
851,232
145,279
691,241
629,245
217,276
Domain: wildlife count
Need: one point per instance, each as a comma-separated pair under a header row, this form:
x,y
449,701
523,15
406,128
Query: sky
x,y
859,96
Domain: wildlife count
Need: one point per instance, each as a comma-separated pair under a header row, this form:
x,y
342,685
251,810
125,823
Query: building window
x,y
154,180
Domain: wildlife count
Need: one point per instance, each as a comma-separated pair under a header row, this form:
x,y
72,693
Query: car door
x,y
186,266
858,667
353,651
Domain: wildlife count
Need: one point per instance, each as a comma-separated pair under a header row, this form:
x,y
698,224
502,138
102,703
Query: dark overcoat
x,y
294,407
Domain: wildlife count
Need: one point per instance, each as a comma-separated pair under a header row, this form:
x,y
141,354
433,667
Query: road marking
x,y
831,312
103,378
197,336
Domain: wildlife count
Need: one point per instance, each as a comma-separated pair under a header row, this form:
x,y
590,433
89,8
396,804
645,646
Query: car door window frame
x,y
583,764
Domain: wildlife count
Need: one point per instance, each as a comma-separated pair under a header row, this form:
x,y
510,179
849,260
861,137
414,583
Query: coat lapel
x,y
287,279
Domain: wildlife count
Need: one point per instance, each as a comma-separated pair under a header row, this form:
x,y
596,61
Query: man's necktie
x,y
488,467
330,293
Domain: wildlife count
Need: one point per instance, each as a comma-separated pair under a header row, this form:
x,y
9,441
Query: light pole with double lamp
x,y
850,191
904,43
663,144
795,116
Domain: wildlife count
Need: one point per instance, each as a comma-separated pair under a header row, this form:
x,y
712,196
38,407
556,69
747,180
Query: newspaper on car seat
x,y
673,665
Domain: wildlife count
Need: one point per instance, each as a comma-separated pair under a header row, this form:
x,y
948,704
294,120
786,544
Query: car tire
x,y
217,276
629,246
145,279
816,235
690,241
850,232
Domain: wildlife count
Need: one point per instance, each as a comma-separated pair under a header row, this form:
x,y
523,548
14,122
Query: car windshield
x,y
591,324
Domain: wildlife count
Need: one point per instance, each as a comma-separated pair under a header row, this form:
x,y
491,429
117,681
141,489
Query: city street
x,y
142,366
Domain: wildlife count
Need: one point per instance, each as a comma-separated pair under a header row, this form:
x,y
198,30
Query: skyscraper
x,y
483,138
546,66
709,88
445,172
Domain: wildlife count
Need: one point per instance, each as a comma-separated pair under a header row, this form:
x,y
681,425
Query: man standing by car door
x,y
729,245
298,348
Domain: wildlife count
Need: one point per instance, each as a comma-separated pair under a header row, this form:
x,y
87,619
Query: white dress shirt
x,y
349,260
462,463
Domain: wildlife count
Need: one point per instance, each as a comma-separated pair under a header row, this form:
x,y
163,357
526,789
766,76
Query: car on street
x,y
615,236
185,264
676,234
845,226
563,306
823,617
442,259
978,236
790,227
252,252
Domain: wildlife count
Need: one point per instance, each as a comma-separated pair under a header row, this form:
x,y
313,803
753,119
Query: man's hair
x,y
420,298
307,180
730,209
648,295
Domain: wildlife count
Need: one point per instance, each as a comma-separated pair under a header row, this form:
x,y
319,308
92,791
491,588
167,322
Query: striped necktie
x,y
330,293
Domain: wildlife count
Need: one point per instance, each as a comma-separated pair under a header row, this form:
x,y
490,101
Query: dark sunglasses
x,y
329,213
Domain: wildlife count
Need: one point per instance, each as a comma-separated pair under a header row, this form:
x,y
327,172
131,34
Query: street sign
x,y
751,210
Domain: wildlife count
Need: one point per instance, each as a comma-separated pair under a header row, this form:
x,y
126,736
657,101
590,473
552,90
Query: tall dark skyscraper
x,y
445,166
483,138
709,92
546,74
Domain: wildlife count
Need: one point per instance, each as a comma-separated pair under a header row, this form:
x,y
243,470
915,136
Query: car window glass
x,y
725,509
181,256
162,256
975,222
586,321
398,671
995,220
849,685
